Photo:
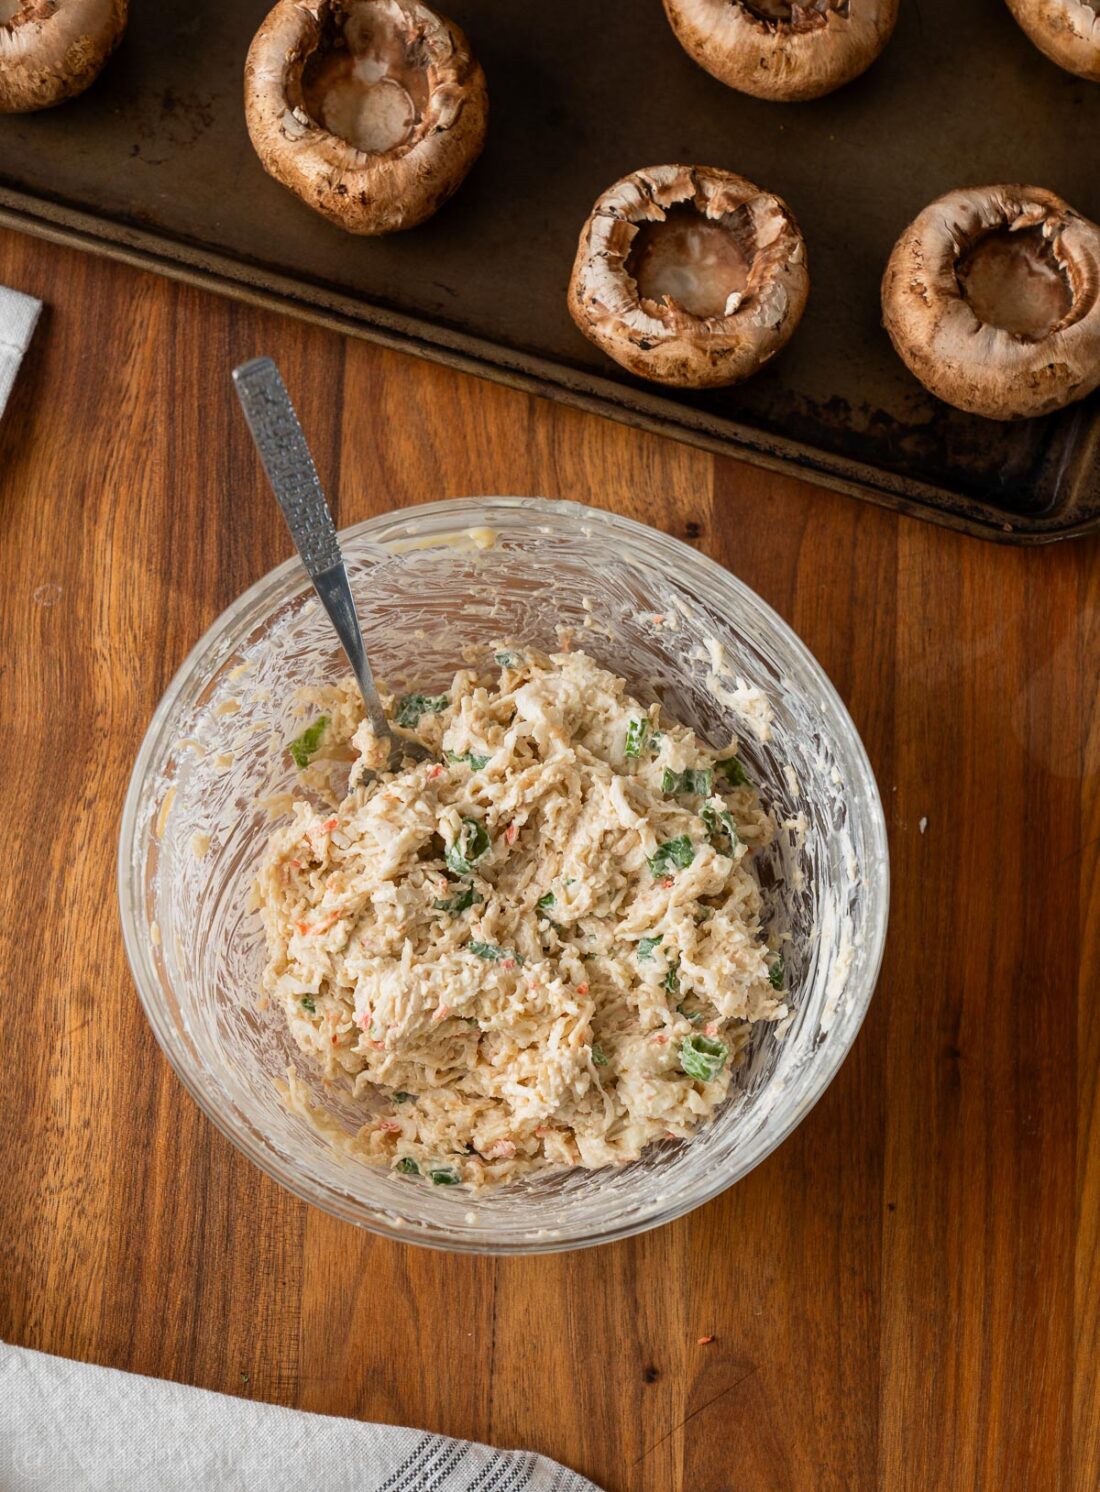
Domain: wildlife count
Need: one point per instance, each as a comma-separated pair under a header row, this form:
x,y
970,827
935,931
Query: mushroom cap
x,y
1067,31
662,340
971,363
365,191
782,51
51,50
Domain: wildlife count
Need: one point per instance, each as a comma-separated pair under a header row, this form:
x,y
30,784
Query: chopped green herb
x,y
546,901
694,1016
458,903
703,1057
732,769
646,947
636,733
672,978
445,1176
467,758
407,1166
307,1002
599,1056
698,780
472,843
674,854
410,707
304,747
720,828
244,1377
776,974
508,660
488,951
403,1097
656,741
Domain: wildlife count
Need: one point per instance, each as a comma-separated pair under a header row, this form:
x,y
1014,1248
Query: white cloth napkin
x,y
18,314
69,1427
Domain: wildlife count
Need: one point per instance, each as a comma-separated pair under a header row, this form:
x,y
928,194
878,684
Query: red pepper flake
x,y
302,928
507,963
711,1028
510,834
705,1341
666,883
582,989
329,825
436,771
660,1039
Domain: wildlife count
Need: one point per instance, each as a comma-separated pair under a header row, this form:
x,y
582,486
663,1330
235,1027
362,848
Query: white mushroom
x,y
372,111
992,299
689,276
1068,31
783,49
51,50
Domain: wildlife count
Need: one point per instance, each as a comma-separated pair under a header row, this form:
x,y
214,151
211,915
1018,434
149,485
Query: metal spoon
x,y
296,485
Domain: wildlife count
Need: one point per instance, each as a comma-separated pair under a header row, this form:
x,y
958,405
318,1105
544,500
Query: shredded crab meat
x,y
507,953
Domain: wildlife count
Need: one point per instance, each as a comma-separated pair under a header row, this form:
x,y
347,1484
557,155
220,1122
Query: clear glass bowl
x,y
429,581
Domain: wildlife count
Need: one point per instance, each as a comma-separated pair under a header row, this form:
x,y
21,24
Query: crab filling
x,y
366,82
1014,281
700,264
791,13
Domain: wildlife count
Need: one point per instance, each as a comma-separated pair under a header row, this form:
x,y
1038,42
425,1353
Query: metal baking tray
x,y
154,165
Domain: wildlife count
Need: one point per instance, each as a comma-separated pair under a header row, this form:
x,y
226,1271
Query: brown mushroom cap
x,y
372,111
1067,31
991,298
51,50
689,276
783,49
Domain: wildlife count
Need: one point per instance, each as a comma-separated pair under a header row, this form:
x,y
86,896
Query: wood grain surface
x,y
906,1295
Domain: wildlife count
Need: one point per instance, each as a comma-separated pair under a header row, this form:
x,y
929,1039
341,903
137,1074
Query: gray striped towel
x,y
18,314
69,1427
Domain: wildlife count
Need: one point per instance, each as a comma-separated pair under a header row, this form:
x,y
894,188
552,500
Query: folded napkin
x,y
18,314
68,1427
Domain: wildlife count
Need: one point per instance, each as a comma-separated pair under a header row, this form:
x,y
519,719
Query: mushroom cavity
x,y
689,276
992,299
372,111
783,49
51,50
1067,31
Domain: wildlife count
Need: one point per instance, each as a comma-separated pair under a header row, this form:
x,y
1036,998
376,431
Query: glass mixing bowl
x,y
428,582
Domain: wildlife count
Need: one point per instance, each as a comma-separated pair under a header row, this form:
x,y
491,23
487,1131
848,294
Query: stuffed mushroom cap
x,y
780,49
51,50
688,275
371,111
1067,31
992,299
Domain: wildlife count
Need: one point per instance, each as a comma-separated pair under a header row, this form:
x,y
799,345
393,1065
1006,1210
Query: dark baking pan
x,y
154,164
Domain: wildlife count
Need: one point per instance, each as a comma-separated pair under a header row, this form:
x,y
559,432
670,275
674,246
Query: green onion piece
x,y
407,1166
304,747
672,978
646,947
636,733
470,846
599,1056
674,854
732,769
403,1097
694,1016
546,901
488,951
721,829
444,1176
703,1057
467,758
698,780
508,660
458,903
776,973
307,1002
410,707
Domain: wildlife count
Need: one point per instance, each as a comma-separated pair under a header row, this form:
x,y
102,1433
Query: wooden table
x,y
905,1295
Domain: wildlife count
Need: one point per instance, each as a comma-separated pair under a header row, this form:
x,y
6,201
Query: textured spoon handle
x,y
288,464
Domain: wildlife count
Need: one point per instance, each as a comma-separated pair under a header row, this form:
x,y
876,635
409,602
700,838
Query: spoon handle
x,y
294,480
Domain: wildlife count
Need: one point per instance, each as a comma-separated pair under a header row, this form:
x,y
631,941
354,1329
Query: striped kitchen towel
x,y
70,1427
18,314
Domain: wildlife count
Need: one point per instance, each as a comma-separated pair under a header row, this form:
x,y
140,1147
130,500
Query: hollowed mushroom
x,y
689,276
1067,31
992,299
51,50
783,49
372,111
